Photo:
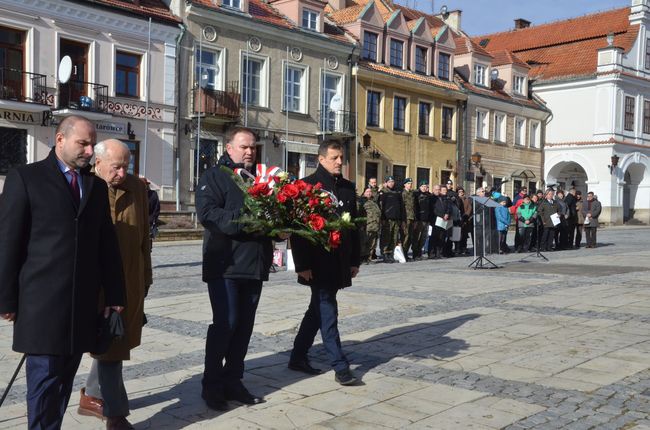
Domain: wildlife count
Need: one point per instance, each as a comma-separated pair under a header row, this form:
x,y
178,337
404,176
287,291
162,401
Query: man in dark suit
x,y
58,250
326,271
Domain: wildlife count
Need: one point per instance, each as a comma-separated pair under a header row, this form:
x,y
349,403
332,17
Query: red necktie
x,y
74,184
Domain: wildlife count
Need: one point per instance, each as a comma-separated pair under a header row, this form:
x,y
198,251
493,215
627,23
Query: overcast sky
x,y
489,16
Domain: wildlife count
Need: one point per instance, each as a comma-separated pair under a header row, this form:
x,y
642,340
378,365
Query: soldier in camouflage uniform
x,y
423,217
370,229
392,209
374,189
408,223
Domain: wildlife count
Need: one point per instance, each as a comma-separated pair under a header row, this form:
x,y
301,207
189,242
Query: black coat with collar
x,y
55,258
330,269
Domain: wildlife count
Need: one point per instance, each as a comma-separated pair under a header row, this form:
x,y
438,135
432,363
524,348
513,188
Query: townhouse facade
x,y
409,107
119,80
594,74
281,68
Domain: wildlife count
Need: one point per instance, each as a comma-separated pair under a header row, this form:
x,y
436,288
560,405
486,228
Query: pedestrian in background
x,y
370,210
526,214
572,216
58,251
580,220
502,215
422,216
591,210
392,210
547,208
104,394
408,218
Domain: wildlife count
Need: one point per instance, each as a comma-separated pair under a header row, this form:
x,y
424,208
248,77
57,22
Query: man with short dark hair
x,y
326,272
374,189
235,264
58,251
591,210
392,210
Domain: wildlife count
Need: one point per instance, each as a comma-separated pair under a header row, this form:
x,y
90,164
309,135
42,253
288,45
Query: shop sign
x,y
20,116
111,127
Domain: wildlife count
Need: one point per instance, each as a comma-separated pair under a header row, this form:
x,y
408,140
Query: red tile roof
x,y
502,95
431,80
506,57
565,49
465,45
266,13
155,9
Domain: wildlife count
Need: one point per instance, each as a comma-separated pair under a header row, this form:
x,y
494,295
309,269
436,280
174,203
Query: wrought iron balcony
x,y
339,122
80,95
14,82
218,103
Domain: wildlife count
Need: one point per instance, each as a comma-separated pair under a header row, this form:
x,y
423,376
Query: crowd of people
x,y
437,222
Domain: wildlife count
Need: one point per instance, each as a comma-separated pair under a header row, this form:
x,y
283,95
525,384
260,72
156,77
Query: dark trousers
x,y
234,303
503,246
578,235
590,234
547,239
322,314
49,384
571,230
437,241
105,381
525,234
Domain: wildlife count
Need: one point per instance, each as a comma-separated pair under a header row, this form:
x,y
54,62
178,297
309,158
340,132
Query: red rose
x,y
313,202
302,185
316,222
335,239
318,186
259,189
290,190
327,201
281,197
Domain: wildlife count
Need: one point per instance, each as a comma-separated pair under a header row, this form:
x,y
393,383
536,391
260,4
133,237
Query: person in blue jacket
x,y
503,222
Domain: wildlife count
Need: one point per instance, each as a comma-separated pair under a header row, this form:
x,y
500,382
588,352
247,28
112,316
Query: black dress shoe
x,y
345,377
242,395
304,367
217,403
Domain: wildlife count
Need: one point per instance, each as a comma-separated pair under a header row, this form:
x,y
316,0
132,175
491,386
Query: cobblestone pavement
x,y
534,344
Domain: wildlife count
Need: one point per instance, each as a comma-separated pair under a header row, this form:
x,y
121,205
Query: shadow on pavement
x,y
418,341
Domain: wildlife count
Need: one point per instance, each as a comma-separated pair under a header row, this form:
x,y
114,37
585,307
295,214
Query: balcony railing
x,y
337,122
14,82
81,95
218,103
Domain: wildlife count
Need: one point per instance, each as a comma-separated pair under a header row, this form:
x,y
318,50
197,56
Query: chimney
x,y
521,23
452,19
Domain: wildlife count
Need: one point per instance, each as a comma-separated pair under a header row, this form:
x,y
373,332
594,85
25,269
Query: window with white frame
x,y
235,4
499,127
535,134
399,113
254,79
444,64
520,131
294,88
646,116
331,85
481,124
369,46
310,19
480,74
629,113
448,122
519,83
207,68
421,54
397,53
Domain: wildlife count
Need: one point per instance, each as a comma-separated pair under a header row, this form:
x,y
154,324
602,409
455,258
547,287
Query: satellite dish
x,y
65,69
494,74
444,11
336,103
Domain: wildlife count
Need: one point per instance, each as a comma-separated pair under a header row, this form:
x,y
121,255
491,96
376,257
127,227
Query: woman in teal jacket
x,y
526,214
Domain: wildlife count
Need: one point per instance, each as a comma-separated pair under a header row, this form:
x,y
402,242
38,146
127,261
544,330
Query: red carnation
x,y
335,239
302,185
281,197
316,222
290,190
259,189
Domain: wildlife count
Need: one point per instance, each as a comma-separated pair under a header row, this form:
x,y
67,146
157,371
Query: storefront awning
x,y
23,107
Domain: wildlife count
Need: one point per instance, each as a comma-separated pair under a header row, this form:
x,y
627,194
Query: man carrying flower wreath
x,y
235,263
326,271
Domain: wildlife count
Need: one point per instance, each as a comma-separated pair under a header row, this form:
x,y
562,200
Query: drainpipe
x,y
179,41
543,157
461,156
353,148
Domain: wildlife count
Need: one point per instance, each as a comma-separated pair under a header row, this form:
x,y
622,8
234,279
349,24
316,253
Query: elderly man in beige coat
x,y
105,395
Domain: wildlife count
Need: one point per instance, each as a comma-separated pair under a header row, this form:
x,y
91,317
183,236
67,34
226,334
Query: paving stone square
x,y
533,344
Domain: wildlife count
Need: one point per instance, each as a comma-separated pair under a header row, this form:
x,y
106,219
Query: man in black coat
x,y
235,264
58,250
326,272
545,210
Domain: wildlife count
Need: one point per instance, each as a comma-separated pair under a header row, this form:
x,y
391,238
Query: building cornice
x,y
504,105
408,84
88,18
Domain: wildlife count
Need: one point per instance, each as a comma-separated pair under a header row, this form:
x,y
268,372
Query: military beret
x,y
408,181
389,178
424,183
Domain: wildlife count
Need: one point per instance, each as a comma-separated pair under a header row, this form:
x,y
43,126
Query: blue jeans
x,y
49,384
322,314
234,303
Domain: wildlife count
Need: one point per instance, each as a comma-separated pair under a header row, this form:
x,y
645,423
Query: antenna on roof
x,y
444,11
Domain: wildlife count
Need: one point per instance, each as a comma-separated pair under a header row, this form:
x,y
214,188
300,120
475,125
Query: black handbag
x,y
108,329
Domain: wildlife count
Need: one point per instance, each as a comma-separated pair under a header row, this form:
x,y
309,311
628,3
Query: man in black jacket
x,y
58,250
421,230
546,210
235,264
392,210
326,272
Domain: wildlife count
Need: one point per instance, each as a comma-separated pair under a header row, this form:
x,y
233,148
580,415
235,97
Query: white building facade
x,y
119,80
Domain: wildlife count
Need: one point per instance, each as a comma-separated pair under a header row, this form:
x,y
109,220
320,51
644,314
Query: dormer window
x,y
369,46
480,74
519,84
233,4
396,53
421,59
444,61
310,19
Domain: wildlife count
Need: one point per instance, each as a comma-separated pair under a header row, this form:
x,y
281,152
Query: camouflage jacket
x,y
410,208
373,215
